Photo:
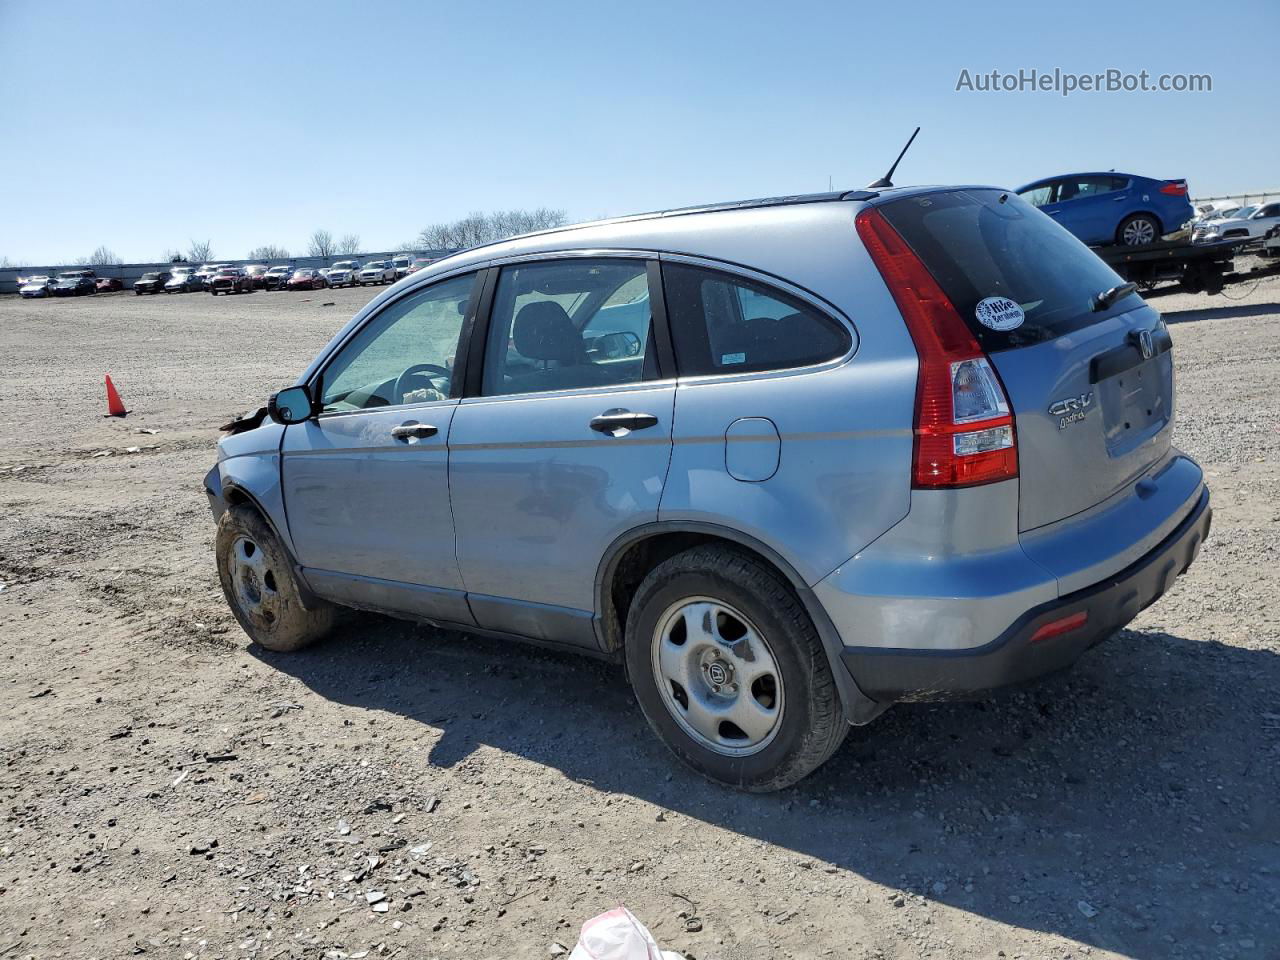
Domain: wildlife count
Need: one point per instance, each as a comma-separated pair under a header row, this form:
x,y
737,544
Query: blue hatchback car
x,y
1106,208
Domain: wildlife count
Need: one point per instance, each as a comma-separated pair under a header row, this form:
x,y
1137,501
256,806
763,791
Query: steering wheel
x,y
424,370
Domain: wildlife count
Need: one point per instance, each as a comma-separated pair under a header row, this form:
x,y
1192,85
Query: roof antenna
x,y
887,179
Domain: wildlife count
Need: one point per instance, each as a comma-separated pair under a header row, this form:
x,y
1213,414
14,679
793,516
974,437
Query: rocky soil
x,y
168,790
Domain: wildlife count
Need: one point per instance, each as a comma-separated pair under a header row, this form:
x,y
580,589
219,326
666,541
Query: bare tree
x,y
268,252
200,251
7,264
173,255
321,244
103,256
478,228
349,243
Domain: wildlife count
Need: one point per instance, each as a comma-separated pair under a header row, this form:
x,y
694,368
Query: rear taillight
x,y
964,433
1175,188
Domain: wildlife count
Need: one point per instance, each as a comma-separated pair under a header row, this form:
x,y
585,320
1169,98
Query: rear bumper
x,y
1018,654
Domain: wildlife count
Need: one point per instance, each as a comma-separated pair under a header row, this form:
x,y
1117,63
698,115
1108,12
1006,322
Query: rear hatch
x,y
1091,389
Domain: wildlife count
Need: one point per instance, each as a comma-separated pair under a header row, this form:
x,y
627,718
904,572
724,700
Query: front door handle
x,y
619,423
413,431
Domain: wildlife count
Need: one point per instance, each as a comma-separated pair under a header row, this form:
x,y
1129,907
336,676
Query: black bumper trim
x,y
895,674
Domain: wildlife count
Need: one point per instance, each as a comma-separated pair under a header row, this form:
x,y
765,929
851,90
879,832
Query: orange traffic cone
x,y
115,407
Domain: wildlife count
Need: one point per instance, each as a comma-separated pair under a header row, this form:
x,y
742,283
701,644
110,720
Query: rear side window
x,y
722,323
987,243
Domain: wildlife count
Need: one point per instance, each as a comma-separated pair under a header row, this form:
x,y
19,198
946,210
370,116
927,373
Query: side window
x,y
1038,196
1091,186
722,323
1119,183
404,355
567,324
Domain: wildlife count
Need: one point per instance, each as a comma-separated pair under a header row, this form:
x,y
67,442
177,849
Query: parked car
x,y
1106,208
37,286
402,262
257,274
344,273
204,274
108,284
420,262
1251,222
276,277
1215,209
75,283
183,280
377,271
920,448
153,282
230,280
306,279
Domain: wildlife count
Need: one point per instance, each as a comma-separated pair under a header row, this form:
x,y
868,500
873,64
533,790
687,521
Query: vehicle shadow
x,y
1236,312
1141,785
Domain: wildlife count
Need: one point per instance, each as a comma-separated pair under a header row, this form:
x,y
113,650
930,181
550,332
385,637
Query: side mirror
x,y
293,405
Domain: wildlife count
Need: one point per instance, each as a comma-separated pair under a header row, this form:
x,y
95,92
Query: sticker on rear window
x,y
731,358
999,313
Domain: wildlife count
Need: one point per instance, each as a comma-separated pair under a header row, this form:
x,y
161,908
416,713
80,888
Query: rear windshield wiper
x,y
1107,297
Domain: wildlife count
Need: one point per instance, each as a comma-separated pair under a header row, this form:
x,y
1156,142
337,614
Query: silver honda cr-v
x,y
789,461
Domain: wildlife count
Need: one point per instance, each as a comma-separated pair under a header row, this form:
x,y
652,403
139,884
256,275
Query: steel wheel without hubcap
x,y
717,676
253,580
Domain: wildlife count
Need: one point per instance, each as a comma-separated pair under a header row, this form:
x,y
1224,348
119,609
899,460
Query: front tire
x,y
261,588
730,672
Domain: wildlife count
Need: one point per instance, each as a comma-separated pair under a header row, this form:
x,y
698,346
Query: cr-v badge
x,y
1071,410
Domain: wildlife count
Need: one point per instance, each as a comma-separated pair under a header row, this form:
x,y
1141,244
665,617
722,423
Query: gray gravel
x,y
170,791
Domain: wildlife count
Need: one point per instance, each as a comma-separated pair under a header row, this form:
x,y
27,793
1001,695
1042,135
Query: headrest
x,y
543,331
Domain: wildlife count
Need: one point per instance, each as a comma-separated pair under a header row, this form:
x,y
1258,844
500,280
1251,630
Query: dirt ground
x,y
170,791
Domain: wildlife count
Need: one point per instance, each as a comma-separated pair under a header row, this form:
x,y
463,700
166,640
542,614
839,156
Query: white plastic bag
x,y
618,935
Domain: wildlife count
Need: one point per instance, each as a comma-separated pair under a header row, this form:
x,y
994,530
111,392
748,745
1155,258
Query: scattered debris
x,y
1085,907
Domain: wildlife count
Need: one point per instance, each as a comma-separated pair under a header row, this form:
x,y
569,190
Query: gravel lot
x,y
170,791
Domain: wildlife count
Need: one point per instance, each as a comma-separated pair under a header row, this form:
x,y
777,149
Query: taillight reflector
x,y
964,432
1056,628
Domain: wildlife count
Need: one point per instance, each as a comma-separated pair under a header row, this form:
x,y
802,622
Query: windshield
x,y
1242,213
344,265
278,270
302,273
151,276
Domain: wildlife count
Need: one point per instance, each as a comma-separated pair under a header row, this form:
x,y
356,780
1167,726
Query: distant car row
x,y
217,278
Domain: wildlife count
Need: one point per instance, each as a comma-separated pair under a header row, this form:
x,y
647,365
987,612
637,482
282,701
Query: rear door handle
x,y
413,431
618,422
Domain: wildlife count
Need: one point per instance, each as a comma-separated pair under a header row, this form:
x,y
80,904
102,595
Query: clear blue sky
x,y
144,125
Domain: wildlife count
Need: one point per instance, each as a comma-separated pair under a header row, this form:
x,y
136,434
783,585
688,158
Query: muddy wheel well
x,y
633,564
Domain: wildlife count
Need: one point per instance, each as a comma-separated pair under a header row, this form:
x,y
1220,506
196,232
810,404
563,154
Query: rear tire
x,y
261,588
1138,230
730,672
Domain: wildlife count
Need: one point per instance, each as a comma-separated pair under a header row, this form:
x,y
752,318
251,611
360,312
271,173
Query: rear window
x,y
989,243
